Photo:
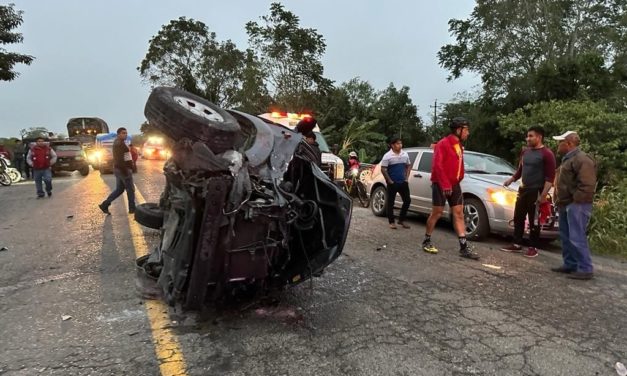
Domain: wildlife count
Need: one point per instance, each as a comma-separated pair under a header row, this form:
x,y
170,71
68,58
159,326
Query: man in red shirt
x,y
446,174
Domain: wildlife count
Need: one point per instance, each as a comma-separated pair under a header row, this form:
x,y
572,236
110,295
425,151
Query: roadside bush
x,y
608,226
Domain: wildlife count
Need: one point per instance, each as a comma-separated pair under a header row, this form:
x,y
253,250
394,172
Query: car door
x,y
399,201
420,185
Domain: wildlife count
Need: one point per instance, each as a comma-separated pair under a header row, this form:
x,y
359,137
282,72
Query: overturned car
x,y
245,207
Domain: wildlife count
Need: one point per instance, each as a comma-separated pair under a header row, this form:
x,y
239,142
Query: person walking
x,y
575,186
41,157
19,158
395,167
447,172
537,170
27,168
123,171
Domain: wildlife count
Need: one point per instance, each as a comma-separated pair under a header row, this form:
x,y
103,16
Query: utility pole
x,y
435,112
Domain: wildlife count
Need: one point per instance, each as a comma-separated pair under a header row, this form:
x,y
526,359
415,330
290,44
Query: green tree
x,y
352,99
359,135
602,130
398,115
9,20
290,57
185,54
506,41
33,132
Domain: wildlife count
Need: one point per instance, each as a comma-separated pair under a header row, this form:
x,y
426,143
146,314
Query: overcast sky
x,y
87,52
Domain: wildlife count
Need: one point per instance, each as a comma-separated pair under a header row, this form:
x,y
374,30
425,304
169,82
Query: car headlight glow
x,y
502,197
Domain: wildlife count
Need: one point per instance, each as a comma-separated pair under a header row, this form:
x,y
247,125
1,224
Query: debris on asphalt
x,y
382,247
621,369
4,249
69,217
66,317
495,267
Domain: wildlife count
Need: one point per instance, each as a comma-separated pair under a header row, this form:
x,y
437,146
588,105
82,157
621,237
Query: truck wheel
x,y
84,171
149,215
179,114
476,219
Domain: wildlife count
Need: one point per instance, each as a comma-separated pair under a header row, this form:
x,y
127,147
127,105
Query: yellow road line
x,y
167,347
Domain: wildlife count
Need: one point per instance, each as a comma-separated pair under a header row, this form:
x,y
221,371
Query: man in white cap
x,y
575,186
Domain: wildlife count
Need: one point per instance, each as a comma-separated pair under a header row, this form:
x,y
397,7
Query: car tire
x,y
476,219
179,114
377,201
84,171
149,215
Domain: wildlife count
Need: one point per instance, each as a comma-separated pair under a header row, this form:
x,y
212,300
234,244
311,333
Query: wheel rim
x,y
198,108
471,218
378,201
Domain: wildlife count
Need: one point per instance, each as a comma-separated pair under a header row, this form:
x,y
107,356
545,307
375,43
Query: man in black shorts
x,y
446,174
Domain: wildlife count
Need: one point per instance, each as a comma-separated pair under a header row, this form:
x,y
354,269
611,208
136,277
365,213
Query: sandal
x,y
403,225
393,226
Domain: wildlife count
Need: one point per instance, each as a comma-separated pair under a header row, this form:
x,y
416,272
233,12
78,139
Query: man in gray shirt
x,y
537,170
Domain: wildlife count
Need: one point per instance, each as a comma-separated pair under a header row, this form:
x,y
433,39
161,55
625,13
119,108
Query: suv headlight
x,y
339,171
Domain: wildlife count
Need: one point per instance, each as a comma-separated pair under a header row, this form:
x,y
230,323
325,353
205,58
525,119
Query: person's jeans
x,y
46,176
122,183
526,208
392,190
573,222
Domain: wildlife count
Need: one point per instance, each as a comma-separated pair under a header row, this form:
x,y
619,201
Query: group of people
x,y
36,160
574,183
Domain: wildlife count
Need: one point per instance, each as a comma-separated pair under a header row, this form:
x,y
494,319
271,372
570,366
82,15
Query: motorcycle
x,y
355,187
14,175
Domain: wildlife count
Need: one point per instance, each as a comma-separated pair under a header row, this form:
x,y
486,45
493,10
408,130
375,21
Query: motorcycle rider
x,y
41,157
353,161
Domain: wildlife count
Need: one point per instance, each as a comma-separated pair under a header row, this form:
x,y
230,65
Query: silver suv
x,y
488,206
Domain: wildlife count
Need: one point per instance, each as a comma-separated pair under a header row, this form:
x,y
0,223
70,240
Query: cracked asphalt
x,y
396,311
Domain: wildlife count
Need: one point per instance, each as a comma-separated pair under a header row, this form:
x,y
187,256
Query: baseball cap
x,y
564,135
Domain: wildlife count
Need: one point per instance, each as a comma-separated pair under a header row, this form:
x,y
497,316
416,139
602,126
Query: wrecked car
x,y
245,208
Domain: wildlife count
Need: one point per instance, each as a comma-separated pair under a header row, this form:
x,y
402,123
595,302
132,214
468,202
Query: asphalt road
x,y
394,311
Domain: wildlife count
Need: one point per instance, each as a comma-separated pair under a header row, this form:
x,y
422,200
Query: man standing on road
x,y
123,171
18,156
446,174
395,167
575,186
41,158
537,170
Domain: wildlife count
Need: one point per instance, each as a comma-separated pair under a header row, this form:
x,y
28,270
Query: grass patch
x,y
608,225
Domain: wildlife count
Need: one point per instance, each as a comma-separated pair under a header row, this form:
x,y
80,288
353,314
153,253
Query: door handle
x,y
417,175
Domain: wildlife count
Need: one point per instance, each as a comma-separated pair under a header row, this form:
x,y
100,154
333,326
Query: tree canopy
x,y
10,19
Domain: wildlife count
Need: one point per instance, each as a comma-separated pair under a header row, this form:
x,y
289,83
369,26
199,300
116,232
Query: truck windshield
x,y
322,143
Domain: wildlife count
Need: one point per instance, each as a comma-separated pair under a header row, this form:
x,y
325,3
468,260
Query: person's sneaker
x,y
512,248
581,275
105,209
531,252
403,224
468,253
429,248
38,197
562,269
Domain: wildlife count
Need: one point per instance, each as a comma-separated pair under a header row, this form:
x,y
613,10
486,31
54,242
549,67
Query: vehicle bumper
x,y
69,165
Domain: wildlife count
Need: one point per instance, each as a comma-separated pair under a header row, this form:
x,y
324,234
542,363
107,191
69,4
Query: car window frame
x,y
420,160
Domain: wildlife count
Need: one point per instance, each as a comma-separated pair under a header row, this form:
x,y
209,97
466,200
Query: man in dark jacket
x,y
575,186
19,157
123,171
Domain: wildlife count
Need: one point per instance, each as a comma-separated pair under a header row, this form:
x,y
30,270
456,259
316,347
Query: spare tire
x,y
149,215
179,114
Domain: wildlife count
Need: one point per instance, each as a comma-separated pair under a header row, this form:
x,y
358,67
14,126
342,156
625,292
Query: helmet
x,y
352,154
459,122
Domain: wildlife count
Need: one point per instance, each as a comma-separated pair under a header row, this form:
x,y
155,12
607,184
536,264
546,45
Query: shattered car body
x,y
244,209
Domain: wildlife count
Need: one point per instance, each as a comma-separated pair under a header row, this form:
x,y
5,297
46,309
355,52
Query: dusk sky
x,y
87,52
